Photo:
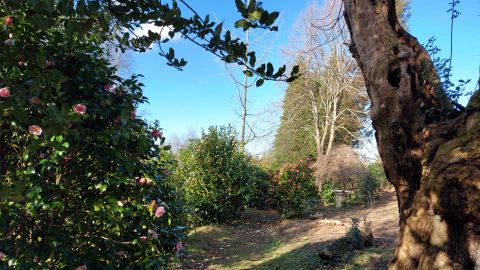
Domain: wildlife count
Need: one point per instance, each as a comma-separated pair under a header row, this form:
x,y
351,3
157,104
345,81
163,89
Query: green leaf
x,y
240,6
129,167
295,70
248,73
273,16
253,59
241,23
252,4
269,70
57,205
255,16
102,187
218,29
259,82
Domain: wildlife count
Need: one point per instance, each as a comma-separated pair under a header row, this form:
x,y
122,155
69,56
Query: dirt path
x,y
261,240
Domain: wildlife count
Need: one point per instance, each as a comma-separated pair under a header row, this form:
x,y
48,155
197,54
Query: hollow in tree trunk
x,y
430,149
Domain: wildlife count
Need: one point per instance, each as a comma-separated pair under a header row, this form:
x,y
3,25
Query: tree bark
x,y
430,150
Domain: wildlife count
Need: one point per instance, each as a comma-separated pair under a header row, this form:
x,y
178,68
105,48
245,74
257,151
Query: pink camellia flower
x,y
133,115
50,64
34,100
121,253
178,246
160,211
8,20
4,92
82,267
157,134
2,256
9,42
80,108
144,181
153,233
110,88
143,238
35,130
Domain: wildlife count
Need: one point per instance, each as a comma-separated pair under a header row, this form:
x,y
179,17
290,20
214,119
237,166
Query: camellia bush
x,y
213,174
295,193
82,178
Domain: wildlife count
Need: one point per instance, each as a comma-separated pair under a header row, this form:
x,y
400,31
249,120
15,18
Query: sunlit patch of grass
x,y
207,238
370,258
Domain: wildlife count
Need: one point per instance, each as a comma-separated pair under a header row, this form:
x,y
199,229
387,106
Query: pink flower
x,y
2,256
50,64
157,134
35,130
178,246
80,108
8,20
144,181
9,42
34,100
153,233
143,238
110,88
82,267
22,63
4,92
121,253
160,211
133,115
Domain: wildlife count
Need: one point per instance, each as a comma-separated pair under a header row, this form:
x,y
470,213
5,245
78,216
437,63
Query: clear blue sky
x,y
204,94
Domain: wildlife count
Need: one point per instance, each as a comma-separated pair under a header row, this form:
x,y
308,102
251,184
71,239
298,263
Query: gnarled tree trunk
x,y
430,150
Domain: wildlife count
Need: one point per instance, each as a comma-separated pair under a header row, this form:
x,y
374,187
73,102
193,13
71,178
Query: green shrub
x,y
212,174
82,179
368,189
328,197
370,185
376,171
258,188
295,192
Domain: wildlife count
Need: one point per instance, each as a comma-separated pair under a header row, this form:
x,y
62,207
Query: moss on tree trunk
x,y
430,151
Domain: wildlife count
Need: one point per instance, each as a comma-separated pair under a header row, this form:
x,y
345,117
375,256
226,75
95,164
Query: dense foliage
x,y
213,174
258,188
81,177
295,193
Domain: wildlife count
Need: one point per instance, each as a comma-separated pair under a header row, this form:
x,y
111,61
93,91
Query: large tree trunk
x,y
430,151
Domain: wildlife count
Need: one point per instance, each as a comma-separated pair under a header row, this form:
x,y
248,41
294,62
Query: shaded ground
x,y
261,240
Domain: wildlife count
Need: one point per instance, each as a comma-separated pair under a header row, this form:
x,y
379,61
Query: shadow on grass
x,y
306,258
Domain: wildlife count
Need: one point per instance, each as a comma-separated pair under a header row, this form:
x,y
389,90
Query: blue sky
x,y
203,94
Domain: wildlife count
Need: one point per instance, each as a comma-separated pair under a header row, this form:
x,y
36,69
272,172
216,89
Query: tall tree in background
x,y
327,102
430,150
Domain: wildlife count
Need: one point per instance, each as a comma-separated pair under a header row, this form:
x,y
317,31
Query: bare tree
x,y
331,85
244,83
342,165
